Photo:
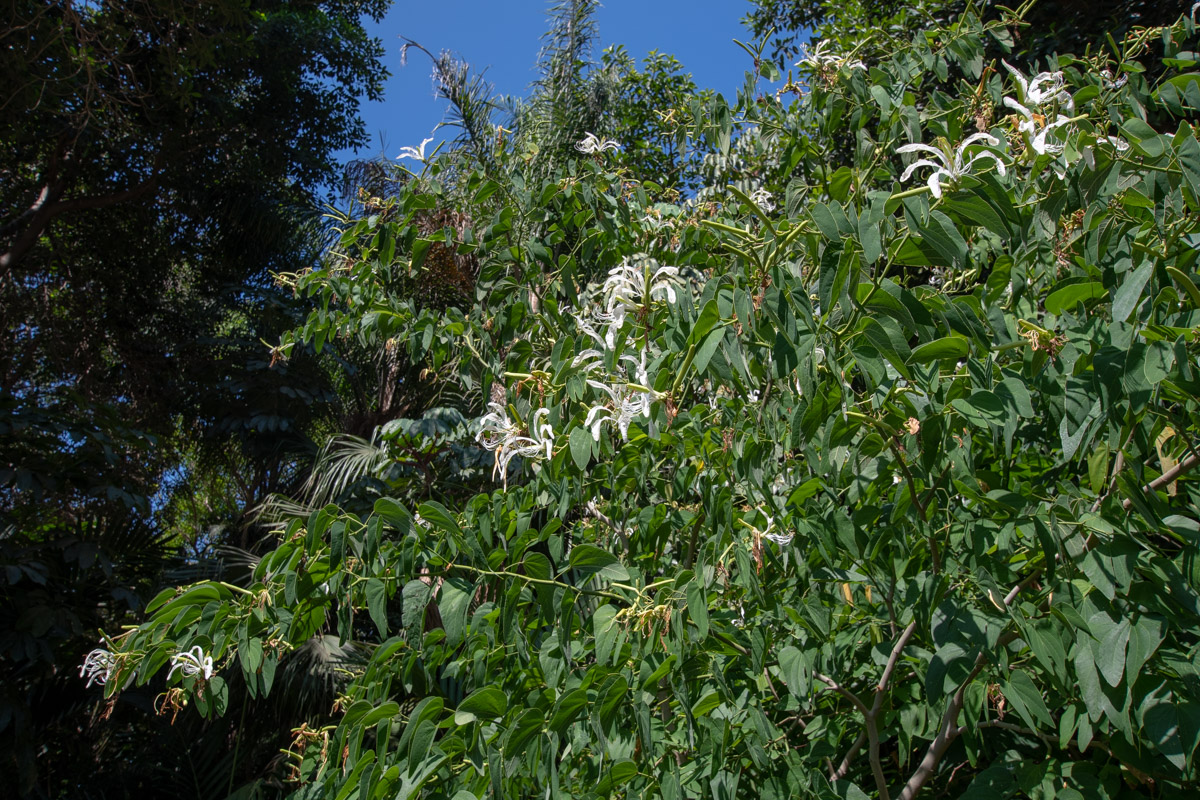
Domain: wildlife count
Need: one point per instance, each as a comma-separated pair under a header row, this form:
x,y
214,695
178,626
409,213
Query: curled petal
x,y
922,148
924,162
979,137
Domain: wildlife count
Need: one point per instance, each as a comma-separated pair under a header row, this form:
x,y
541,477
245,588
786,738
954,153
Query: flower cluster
x,y
594,145
763,199
98,667
822,58
628,288
506,439
192,663
1039,101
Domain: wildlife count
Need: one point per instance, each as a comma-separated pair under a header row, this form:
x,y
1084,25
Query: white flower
x,y
192,663
1035,95
97,667
762,198
627,401
948,165
781,539
593,144
1194,7
822,58
630,286
415,152
1036,128
501,435
1108,81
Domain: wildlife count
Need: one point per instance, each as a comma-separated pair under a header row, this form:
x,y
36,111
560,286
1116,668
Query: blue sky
x,y
505,36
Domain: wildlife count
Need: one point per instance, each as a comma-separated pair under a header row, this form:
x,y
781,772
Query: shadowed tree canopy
x,y
156,154
160,161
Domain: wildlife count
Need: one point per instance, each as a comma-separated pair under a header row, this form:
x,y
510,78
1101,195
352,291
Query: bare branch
x,y
1166,477
843,691
844,768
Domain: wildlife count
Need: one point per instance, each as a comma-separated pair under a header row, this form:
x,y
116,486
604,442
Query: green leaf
x,y
709,316
1130,293
567,709
1027,699
795,671
488,702
1162,725
526,726
1185,283
581,447
416,597
620,773
588,559
605,629
1110,657
1065,298
708,348
982,408
437,515
454,598
697,605
954,347
376,593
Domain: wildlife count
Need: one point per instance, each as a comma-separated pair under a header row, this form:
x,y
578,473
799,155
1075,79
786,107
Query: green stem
x,y
541,581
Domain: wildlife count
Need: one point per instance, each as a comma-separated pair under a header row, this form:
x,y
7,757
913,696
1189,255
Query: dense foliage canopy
x,y
864,471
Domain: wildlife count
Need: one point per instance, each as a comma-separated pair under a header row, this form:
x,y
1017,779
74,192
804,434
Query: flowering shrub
x,y
884,491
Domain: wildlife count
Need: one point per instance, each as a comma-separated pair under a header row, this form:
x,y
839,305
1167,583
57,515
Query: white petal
x,y
978,137
1013,104
918,147
1020,78
924,162
934,185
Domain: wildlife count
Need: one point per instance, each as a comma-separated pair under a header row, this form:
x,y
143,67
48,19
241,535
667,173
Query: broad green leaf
x,y
488,702
697,605
581,447
1066,298
376,595
954,347
1130,293
1027,699
588,559
982,408
454,598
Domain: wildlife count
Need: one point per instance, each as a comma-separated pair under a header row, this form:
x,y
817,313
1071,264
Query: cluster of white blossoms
x,y
1041,124
192,663
763,199
823,57
1039,101
594,145
508,440
98,667
628,288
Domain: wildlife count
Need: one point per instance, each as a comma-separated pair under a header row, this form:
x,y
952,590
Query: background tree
x,y
161,161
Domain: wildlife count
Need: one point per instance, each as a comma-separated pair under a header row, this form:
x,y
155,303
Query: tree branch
x,y
1168,476
44,210
844,768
